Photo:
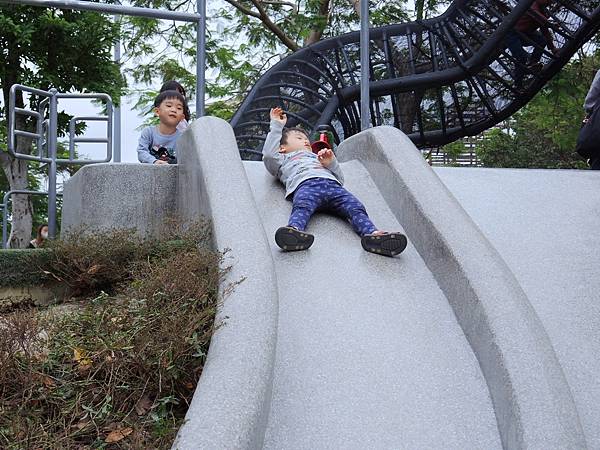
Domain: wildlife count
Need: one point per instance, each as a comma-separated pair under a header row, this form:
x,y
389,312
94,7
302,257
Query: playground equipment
x,y
46,142
437,80
477,336
445,347
49,125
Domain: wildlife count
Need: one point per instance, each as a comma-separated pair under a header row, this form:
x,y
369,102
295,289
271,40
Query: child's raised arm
x,y
271,156
278,115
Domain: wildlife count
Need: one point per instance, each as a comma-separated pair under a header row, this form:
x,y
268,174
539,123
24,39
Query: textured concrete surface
x,y
12,297
369,353
532,400
445,346
544,224
124,196
231,403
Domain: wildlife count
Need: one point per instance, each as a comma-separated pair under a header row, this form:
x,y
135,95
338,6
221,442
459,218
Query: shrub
x,y
22,267
119,370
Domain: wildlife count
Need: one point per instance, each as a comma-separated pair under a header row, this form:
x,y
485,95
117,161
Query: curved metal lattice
x,y
437,80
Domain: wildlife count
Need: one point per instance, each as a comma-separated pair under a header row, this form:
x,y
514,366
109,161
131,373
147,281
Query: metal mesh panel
x,y
437,80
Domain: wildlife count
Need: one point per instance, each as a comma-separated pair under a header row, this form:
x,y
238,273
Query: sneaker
x,y
387,244
290,239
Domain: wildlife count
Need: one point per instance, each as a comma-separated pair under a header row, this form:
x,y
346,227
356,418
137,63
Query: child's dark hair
x,y
168,95
173,85
286,131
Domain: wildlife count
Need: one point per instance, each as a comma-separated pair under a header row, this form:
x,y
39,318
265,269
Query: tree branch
x,y
273,27
317,32
243,9
281,3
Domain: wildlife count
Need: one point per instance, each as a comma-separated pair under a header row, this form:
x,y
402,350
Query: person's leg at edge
x,y
515,46
538,48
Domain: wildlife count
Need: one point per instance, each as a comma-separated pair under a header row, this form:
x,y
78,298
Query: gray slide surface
x,y
544,223
369,353
483,334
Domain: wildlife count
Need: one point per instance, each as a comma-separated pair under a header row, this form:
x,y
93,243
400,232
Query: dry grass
x,y
118,371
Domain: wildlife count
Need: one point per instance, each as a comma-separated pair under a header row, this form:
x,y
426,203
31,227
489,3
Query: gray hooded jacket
x,y
295,167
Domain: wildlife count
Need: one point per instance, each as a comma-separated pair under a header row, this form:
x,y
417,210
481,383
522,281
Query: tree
x,y
544,132
44,48
263,31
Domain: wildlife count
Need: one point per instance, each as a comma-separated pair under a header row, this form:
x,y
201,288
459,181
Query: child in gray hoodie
x,y
314,182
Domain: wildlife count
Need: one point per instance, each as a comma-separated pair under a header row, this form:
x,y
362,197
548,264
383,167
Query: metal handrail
x,y
51,97
48,127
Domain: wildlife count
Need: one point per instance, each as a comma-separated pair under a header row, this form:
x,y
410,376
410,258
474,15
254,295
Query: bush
x,y
119,370
22,267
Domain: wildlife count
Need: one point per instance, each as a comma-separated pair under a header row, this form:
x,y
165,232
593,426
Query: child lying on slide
x,y
314,182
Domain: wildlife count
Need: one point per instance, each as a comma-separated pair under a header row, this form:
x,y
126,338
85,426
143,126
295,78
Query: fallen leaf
x,y
78,353
118,435
95,268
143,405
81,424
48,382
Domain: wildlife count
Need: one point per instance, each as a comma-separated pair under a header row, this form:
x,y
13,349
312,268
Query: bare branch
x,y
355,6
264,17
281,3
243,9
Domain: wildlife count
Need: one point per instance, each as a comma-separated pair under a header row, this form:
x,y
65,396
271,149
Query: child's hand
x,y
326,156
278,115
158,162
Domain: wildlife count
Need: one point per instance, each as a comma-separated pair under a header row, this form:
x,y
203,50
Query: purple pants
x,y
323,194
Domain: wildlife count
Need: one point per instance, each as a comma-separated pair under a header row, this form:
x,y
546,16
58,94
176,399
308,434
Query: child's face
x,y
296,141
170,111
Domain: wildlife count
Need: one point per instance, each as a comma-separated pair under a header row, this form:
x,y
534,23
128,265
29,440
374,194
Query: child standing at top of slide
x,y
314,183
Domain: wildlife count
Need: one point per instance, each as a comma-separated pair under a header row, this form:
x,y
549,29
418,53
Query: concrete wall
x,y
125,196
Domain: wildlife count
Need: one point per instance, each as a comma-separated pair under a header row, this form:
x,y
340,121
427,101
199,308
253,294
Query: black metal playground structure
x,y
437,80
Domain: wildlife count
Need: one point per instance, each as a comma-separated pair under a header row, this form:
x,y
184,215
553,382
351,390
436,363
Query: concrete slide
x,y
476,337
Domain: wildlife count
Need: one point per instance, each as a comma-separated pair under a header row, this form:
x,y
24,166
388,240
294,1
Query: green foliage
x,y
235,64
112,371
544,132
67,50
453,150
23,267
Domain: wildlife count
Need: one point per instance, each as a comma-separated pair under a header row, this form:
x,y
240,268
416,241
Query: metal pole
x,y
4,222
109,9
52,142
117,110
200,57
364,65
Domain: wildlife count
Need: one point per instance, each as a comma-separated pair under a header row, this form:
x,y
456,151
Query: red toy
x,y
321,143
